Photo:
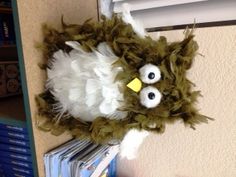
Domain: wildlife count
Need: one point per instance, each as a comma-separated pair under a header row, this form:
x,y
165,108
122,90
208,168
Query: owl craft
x,y
110,82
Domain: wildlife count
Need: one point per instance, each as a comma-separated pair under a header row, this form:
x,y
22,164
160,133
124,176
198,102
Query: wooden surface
x,y
32,14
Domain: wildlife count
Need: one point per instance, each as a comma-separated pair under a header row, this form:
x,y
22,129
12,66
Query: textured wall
x,y
210,151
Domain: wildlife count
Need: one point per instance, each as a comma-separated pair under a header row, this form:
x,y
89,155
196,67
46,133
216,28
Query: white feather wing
x,y
84,83
130,144
136,24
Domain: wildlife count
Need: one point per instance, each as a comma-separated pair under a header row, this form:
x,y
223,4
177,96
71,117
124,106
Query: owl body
x,y
109,82
84,83
85,86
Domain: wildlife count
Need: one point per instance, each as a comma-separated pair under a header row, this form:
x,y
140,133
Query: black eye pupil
x,y
151,95
151,75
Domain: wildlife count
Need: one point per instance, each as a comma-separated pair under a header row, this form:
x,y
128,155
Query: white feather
x,y
136,25
131,142
84,83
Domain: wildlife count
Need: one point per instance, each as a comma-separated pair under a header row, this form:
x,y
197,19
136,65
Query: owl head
x,y
153,80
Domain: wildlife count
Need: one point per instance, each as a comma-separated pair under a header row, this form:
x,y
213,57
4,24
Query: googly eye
x,y
150,74
150,97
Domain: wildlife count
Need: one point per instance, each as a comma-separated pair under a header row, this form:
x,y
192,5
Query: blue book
x,y
100,165
12,155
22,164
16,142
13,174
110,171
17,149
112,168
86,172
7,168
15,135
2,174
13,128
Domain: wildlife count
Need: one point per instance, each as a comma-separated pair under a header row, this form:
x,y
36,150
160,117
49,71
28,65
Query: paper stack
x,y
78,158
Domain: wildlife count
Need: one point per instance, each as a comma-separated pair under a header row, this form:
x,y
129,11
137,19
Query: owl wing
x,y
131,142
136,25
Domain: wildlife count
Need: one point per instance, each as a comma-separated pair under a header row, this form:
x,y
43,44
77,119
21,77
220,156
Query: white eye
x,y
150,97
150,74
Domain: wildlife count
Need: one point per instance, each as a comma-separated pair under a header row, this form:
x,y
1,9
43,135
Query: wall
x,y
210,151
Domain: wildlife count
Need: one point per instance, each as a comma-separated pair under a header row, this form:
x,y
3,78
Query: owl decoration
x,y
110,82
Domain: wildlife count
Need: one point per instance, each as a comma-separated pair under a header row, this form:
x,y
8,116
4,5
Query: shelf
x,y
8,53
13,122
8,46
12,108
5,10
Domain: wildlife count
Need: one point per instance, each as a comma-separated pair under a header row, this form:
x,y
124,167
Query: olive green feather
x,y
173,59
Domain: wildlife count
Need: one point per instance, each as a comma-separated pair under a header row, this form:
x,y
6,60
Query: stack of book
x,y
15,158
81,159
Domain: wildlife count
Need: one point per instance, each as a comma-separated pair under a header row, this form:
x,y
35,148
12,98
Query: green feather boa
x,y
173,59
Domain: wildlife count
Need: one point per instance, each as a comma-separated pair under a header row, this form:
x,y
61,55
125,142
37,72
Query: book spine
x,y
16,170
112,168
14,135
11,148
16,163
15,174
13,128
16,142
2,173
21,157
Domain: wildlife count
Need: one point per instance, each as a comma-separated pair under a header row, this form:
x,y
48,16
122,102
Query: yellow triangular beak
x,y
135,85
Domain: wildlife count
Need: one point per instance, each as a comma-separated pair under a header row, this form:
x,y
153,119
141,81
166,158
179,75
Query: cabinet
x,y
28,19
